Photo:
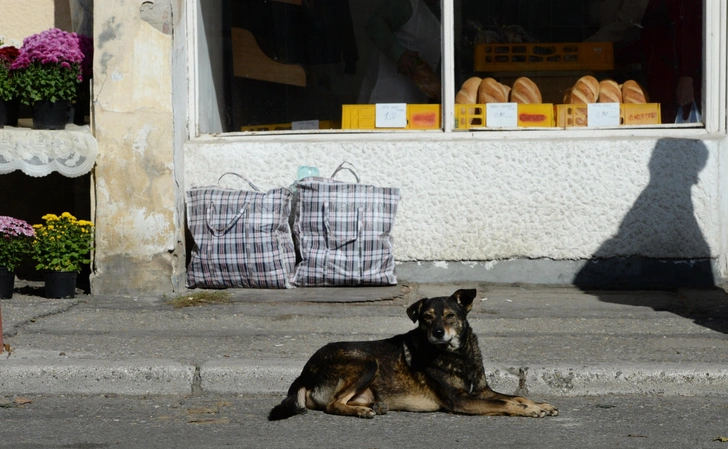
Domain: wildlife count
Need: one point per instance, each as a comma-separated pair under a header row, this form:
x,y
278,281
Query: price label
x,y
501,115
305,124
391,115
602,114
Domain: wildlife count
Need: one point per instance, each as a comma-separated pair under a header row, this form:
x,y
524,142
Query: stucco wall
x,y
135,212
483,200
21,18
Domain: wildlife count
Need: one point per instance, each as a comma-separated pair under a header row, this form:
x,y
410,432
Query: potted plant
x,y
16,237
8,96
60,249
47,73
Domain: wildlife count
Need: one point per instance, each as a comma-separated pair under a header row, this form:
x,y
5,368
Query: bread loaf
x,y
468,93
566,99
586,90
632,92
525,91
491,91
609,92
506,91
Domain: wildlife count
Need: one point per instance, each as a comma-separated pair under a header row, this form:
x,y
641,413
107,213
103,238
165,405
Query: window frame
x,y
714,96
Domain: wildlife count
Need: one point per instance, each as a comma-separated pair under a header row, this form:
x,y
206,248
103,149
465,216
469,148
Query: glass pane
x,y
294,64
555,43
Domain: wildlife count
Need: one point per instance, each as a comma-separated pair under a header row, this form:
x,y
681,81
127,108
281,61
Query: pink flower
x,y
50,46
13,227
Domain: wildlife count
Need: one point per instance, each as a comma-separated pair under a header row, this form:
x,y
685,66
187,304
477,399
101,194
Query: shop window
x,y
280,65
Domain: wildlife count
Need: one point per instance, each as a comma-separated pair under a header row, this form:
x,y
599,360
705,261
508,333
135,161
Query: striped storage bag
x,y
343,232
241,238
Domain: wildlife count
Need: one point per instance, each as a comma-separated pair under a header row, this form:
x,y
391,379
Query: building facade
x,y
609,206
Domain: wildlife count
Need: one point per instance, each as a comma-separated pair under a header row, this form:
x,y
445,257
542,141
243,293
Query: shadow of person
x,y
660,245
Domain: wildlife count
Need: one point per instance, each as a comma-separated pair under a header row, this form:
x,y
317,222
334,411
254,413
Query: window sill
x,y
687,131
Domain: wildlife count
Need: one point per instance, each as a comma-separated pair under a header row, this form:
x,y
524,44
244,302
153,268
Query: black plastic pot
x,y
60,284
7,283
51,115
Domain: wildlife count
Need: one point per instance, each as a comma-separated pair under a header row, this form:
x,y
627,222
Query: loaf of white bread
x,y
525,91
468,93
491,91
609,92
632,92
586,90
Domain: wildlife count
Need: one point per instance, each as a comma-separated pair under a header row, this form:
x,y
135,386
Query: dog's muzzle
x,y
439,337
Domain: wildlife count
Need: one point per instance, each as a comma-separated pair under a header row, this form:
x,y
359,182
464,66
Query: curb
x,y
140,377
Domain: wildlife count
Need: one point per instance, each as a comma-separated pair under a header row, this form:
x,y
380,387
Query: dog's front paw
x,y
365,412
548,408
534,410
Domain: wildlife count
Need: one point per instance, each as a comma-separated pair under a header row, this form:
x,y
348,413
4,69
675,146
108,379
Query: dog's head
x,y
443,318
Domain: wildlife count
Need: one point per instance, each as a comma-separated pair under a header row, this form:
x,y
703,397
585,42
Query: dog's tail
x,y
293,404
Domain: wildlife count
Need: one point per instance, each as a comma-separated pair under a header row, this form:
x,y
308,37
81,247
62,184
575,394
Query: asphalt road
x,y
96,422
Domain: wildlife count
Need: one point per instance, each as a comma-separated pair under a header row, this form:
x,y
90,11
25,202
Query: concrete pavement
x,y
536,340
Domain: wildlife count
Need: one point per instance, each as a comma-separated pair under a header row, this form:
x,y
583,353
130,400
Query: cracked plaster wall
x,y
135,190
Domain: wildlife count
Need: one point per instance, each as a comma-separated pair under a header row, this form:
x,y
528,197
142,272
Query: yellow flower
x,y
67,215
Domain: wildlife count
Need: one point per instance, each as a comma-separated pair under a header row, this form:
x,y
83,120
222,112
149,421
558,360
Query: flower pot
x,y
9,112
7,283
60,284
51,115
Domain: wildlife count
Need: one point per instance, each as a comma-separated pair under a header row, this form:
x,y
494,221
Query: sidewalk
x,y
543,341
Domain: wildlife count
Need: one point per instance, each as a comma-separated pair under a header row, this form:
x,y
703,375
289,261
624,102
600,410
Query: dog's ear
x,y
413,311
465,298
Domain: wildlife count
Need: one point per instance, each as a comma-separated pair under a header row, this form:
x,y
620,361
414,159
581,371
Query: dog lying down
x,y
434,367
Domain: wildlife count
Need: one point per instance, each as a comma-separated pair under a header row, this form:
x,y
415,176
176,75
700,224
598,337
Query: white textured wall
x,y
484,200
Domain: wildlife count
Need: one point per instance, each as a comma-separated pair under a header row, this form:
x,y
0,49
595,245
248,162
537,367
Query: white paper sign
x,y
305,124
602,114
391,115
501,115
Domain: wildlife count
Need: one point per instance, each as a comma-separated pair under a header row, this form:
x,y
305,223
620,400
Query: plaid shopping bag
x,y
343,232
242,238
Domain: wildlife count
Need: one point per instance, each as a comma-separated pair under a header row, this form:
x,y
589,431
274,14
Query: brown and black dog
x,y
434,367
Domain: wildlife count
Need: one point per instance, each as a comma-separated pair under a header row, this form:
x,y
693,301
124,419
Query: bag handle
x,y
217,232
241,177
351,169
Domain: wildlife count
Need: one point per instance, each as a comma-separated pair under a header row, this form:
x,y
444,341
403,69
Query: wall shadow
x,y
660,246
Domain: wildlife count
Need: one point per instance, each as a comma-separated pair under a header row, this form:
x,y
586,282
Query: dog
x,y
437,366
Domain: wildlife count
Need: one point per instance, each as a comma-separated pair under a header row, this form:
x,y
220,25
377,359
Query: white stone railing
x,y
71,152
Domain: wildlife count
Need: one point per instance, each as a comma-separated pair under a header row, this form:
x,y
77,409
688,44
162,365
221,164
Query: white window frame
x,y
714,92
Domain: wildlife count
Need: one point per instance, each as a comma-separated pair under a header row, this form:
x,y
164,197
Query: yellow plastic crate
x,y
363,116
323,124
473,116
640,114
575,115
540,57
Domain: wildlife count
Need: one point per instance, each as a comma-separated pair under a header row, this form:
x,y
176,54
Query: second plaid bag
x,y
343,233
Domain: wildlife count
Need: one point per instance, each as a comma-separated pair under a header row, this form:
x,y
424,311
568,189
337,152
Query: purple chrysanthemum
x,y
52,46
13,227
